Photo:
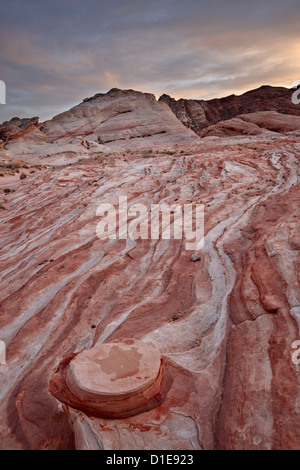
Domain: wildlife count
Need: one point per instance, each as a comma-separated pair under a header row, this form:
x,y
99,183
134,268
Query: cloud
x,y
54,54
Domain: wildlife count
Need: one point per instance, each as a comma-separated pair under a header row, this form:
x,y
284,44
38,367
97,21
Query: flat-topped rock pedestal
x,y
112,380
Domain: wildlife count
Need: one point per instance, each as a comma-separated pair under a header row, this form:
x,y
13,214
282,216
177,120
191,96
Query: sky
x,y
55,53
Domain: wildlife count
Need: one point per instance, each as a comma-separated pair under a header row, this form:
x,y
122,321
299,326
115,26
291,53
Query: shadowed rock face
x,y
199,114
224,325
17,128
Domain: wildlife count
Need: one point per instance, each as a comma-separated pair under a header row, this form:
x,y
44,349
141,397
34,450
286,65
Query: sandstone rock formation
x,y
232,127
112,380
253,124
16,128
119,119
223,319
224,324
199,114
119,115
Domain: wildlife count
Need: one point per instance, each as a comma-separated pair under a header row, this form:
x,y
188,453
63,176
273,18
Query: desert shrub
x,y
23,176
148,153
10,166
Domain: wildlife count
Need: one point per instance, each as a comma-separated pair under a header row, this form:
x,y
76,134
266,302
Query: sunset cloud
x,y
54,54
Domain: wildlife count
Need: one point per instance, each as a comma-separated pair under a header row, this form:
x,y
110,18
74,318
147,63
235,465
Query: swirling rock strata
x,y
224,325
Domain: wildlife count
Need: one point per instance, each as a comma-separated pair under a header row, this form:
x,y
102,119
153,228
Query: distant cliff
x,y
199,114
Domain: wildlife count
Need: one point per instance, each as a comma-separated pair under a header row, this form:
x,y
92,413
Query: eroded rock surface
x,y
199,114
222,320
254,124
224,324
119,119
113,380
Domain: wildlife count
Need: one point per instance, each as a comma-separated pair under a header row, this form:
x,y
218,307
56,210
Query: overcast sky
x,y
55,53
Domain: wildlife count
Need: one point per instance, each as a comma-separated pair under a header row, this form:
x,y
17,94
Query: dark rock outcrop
x,y
199,114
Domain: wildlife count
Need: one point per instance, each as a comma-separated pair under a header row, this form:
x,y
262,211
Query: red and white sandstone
x,y
254,124
117,120
112,380
223,326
